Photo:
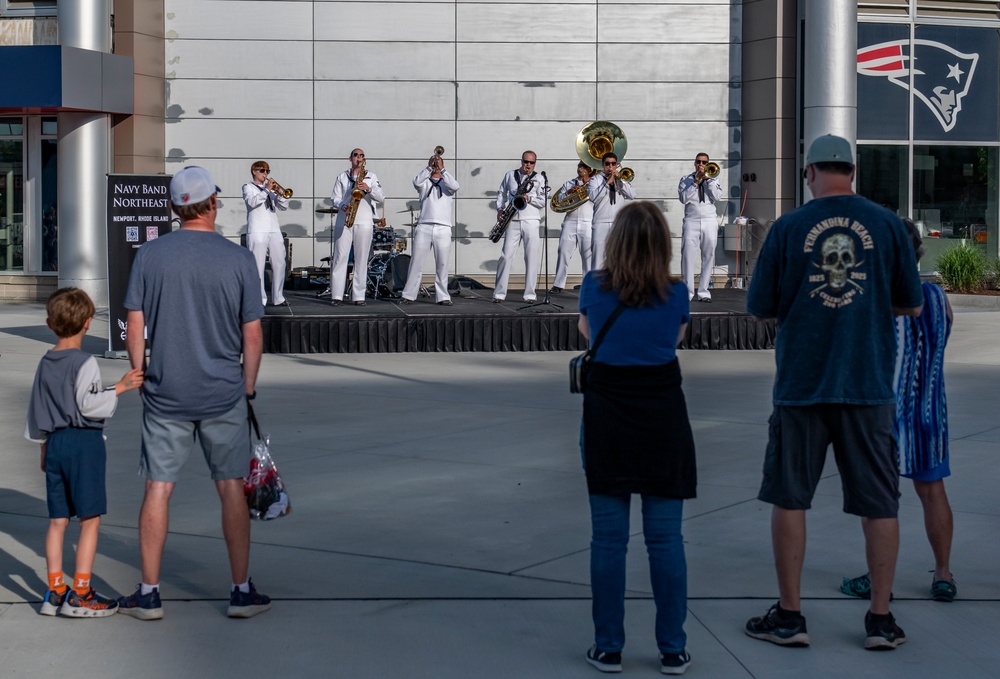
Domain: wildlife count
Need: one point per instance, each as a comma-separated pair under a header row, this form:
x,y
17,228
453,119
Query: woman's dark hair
x,y
637,256
914,233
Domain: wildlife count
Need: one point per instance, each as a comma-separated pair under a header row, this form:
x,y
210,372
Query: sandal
x,y
944,590
860,587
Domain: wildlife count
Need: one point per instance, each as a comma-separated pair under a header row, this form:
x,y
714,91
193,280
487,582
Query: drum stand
x,y
422,291
328,292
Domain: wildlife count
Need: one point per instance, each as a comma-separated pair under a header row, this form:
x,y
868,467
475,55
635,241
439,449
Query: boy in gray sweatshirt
x,y
66,416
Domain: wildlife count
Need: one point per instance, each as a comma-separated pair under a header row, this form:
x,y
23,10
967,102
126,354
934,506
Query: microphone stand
x,y
546,301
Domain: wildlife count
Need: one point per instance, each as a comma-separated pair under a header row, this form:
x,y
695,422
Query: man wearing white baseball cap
x,y
198,296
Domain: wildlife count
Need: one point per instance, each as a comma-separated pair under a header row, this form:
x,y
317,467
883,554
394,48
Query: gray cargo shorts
x,y
224,440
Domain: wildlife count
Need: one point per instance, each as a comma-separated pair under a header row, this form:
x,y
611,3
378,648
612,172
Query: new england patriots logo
x,y
941,74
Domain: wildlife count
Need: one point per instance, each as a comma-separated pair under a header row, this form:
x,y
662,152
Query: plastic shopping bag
x,y
265,491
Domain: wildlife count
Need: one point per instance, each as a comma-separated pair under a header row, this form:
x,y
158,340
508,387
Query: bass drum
x,y
387,274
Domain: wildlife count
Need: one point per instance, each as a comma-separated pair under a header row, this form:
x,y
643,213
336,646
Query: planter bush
x,y
963,268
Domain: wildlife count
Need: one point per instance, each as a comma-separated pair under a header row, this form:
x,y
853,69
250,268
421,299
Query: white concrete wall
x,y
300,84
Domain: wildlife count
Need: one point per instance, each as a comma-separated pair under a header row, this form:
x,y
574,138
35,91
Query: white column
x,y
84,160
829,77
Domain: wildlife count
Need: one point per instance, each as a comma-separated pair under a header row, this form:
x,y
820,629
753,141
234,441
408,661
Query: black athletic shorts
x,y
864,447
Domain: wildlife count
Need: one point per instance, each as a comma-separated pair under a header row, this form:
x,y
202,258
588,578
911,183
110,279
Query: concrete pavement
x,y
440,529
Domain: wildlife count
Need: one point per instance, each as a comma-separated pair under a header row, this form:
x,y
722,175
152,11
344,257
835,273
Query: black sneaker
x,y
52,602
605,662
674,663
791,632
882,632
555,290
247,604
142,606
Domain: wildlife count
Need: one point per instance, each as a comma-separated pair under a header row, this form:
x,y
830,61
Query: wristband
x,y
252,396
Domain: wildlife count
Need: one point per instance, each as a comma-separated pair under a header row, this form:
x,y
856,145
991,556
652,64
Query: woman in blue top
x,y
636,434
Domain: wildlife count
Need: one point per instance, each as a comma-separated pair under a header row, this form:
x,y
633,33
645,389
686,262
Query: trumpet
x,y
438,153
278,188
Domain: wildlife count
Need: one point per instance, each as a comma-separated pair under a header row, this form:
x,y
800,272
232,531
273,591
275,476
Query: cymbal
x,y
409,209
327,210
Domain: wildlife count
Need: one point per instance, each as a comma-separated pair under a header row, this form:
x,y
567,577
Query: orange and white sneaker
x,y
89,605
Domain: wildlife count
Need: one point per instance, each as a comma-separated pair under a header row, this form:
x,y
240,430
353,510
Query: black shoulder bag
x,y
579,365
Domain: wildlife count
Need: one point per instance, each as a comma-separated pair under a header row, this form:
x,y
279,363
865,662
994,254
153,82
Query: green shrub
x,y
963,268
995,272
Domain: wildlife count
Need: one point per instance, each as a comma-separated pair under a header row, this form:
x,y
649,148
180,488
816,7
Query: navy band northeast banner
x,y
138,211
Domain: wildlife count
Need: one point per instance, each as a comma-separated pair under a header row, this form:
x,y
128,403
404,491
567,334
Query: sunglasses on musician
x,y
527,162
701,162
357,155
263,170
610,163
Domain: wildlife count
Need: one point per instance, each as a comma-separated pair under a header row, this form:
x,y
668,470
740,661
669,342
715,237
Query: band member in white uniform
x,y
360,235
700,231
436,188
263,230
606,191
576,229
523,226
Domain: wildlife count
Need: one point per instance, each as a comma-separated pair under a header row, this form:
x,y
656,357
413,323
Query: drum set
x,y
387,265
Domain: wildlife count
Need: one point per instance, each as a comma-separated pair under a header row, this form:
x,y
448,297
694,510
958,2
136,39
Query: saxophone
x,y
518,203
356,196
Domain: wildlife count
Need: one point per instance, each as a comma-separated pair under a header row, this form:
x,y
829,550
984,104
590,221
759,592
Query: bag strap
x,y
604,330
252,421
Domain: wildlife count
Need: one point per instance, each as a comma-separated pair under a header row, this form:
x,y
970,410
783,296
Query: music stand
x,y
328,211
546,301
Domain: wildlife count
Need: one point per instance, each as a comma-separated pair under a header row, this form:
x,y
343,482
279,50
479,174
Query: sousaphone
x,y
598,138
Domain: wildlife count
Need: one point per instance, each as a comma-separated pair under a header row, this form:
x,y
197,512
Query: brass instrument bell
x,y
598,138
278,188
712,170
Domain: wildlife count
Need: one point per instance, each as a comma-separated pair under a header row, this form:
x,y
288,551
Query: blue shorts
x,y
75,461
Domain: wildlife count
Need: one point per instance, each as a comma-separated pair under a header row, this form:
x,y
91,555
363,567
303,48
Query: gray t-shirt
x,y
67,393
195,290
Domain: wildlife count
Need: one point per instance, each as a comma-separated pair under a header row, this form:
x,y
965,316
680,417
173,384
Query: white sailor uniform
x,y
700,231
433,230
607,205
264,235
575,232
523,227
359,236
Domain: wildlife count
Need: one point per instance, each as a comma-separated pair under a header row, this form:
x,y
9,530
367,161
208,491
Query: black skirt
x,y
636,433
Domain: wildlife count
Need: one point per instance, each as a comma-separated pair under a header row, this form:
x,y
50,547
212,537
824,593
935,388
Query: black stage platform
x,y
309,325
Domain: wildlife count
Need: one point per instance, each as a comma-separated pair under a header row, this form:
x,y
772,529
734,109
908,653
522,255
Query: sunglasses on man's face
x,y
357,155
701,162
527,162
610,163
263,170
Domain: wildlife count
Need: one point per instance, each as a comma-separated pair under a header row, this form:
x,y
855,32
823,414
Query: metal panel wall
x,y
301,83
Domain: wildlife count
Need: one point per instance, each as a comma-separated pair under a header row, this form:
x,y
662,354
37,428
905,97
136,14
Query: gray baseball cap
x,y
192,185
830,149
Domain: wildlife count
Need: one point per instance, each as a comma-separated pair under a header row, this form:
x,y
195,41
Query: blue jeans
x,y
661,527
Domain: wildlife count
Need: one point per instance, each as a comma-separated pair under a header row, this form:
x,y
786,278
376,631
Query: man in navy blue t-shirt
x,y
833,273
